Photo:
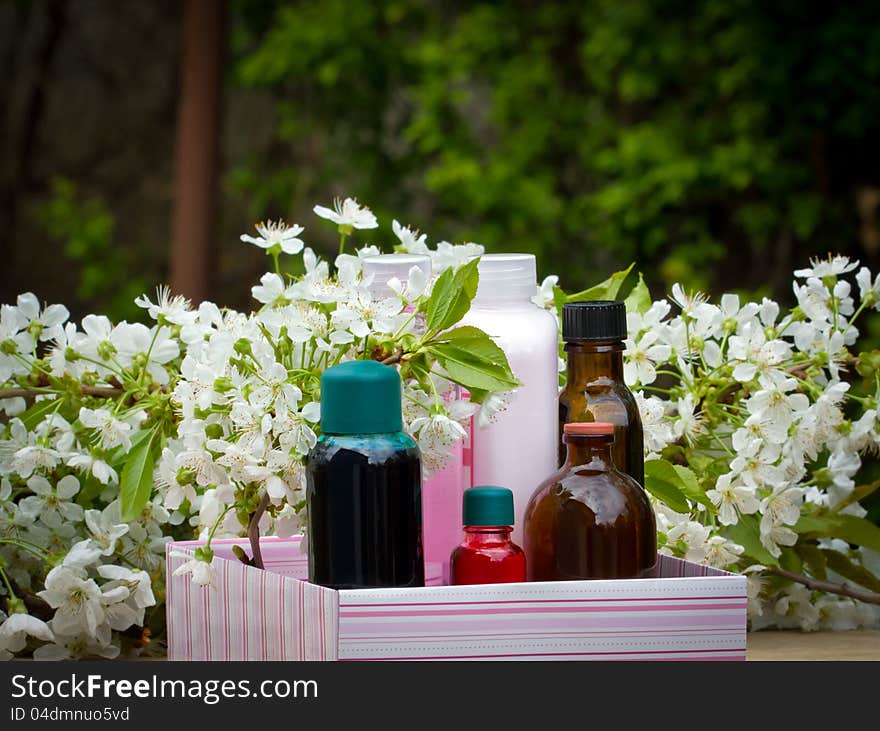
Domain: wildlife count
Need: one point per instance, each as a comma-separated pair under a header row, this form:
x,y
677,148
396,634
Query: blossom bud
x,y
243,346
8,347
14,605
223,384
214,431
822,477
868,363
184,476
106,350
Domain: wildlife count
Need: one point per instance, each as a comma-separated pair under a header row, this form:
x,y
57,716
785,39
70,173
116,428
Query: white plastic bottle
x,y
518,450
383,267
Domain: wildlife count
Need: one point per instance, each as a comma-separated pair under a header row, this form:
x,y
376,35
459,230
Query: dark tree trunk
x,y
198,148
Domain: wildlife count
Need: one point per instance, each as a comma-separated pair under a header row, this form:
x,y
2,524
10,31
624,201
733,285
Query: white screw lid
x,y
507,277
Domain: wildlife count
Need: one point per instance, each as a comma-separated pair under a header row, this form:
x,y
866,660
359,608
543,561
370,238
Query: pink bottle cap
x,y
589,428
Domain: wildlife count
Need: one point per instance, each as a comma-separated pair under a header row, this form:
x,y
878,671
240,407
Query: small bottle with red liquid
x,y
487,555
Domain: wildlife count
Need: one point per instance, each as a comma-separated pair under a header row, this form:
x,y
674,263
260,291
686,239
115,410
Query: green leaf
x,y
477,343
471,372
664,483
814,558
472,360
639,298
747,534
451,297
791,560
849,570
118,455
90,488
690,485
36,413
826,525
606,290
859,531
136,481
477,395
859,493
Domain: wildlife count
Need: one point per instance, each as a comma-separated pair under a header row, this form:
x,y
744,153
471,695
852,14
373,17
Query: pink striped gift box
x,y
689,612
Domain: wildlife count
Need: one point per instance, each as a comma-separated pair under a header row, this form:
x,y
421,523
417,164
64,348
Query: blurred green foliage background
x,y
718,144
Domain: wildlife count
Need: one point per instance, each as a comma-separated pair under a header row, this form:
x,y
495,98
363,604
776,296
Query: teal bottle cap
x,y
360,397
488,505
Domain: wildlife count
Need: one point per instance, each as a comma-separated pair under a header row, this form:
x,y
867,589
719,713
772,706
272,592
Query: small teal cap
x,y
487,505
360,397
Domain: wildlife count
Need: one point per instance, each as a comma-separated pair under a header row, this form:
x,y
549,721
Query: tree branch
x,y
253,530
392,359
100,391
863,595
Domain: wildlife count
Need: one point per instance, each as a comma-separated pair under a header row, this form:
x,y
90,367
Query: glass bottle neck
x,y
592,450
480,535
589,361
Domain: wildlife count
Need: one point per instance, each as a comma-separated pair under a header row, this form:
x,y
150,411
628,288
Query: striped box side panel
x,y
248,614
688,613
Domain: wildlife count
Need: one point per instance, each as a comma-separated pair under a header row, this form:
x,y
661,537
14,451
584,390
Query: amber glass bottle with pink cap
x,y
589,520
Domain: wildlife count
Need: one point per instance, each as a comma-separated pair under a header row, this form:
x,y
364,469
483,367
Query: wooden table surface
x,y
780,645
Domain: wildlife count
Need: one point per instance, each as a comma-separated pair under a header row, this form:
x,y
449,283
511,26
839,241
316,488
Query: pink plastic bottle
x,y
442,492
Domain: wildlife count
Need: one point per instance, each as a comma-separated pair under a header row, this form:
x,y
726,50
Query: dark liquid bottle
x,y
365,511
363,484
487,555
595,390
589,520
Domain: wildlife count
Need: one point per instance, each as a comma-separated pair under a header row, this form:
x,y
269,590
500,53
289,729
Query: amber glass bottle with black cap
x,y
595,390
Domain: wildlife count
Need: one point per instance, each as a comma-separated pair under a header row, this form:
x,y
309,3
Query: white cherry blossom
x,y
411,240
203,572
732,499
348,213
15,630
868,290
48,500
642,357
77,601
277,235
833,266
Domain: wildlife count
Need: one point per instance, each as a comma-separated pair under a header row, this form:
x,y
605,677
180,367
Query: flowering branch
x,y
253,530
863,595
393,358
97,391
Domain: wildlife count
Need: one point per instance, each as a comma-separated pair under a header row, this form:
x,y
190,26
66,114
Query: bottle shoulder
x,y
514,318
601,390
374,448
581,483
